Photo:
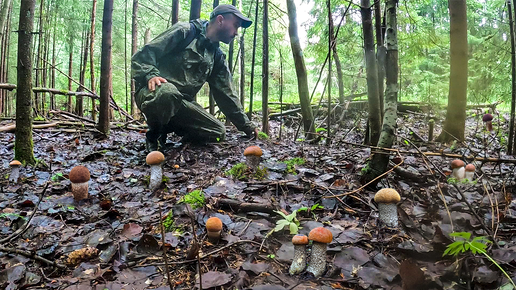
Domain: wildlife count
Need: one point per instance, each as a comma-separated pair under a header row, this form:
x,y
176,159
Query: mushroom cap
x,y
320,235
15,163
300,240
487,118
253,151
214,224
457,163
79,174
154,158
387,195
470,168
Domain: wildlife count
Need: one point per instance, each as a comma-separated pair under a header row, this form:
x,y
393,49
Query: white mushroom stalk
x,y
299,262
80,190
320,237
154,160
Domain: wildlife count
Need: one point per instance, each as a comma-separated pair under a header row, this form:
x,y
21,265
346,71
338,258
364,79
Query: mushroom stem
x,y
458,173
299,262
252,161
317,263
214,236
156,174
388,214
15,174
470,175
80,190
489,126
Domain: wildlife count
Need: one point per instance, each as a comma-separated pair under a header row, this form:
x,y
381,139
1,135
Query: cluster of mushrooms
x,y
320,237
461,171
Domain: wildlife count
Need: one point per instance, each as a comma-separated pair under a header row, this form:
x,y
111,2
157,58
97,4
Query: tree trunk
x,y
371,75
3,15
379,162
513,82
253,61
134,47
455,121
265,68
24,146
338,65
39,105
330,45
79,102
105,67
380,52
175,11
302,79
195,9
46,45
53,69
242,71
231,49
92,66
70,73
147,36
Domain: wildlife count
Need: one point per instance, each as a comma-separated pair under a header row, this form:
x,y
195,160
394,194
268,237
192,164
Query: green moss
x,y
195,198
168,222
240,171
291,164
263,136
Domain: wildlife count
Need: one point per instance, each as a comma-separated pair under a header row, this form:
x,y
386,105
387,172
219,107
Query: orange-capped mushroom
x,y
299,262
154,160
214,228
15,170
321,237
458,169
252,156
470,172
79,177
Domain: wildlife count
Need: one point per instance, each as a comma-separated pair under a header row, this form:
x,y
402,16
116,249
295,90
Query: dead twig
x,y
162,228
196,241
32,255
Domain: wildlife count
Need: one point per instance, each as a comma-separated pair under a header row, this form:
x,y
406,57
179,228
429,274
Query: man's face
x,y
228,28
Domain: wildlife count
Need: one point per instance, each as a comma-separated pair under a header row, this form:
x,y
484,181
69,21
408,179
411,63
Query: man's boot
x,y
151,140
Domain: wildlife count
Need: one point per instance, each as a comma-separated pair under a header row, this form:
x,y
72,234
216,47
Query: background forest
x,y
63,27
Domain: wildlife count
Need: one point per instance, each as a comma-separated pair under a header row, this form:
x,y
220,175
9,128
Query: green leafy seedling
x,y
263,136
477,245
195,198
288,220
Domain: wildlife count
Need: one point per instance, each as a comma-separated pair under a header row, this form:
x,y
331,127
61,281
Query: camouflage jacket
x,y
189,69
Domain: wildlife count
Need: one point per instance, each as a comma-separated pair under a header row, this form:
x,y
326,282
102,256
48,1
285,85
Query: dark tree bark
x,y
510,148
134,47
302,78
195,9
79,102
265,68
92,66
371,75
380,52
175,11
455,121
24,146
378,163
105,67
253,61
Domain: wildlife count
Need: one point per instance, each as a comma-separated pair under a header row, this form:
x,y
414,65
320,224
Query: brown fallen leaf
x,y
412,276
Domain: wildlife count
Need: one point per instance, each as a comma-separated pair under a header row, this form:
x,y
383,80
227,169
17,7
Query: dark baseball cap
x,y
227,8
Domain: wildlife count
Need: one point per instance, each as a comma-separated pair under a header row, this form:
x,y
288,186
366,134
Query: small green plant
x,y
263,136
195,198
288,220
271,256
4,215
56,177
312,209
475,246
168,222
240,171
453,180
291,163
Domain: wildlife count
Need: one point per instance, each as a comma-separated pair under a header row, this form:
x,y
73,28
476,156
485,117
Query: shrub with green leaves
x,y
288,220
195,198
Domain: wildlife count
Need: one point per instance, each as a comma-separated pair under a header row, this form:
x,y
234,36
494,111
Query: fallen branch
x,y
237,206
32,255
12,128
8,87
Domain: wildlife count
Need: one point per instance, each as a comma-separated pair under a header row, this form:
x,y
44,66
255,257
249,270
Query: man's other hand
x,y
155,81
254,134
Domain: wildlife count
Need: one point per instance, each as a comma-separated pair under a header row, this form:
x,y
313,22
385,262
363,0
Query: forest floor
x,y
119,226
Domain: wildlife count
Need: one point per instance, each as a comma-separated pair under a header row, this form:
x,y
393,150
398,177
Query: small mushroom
x,y
299,262
79,176
488,118
214,228
458,169
320,237
470,172
15,171
386,199
252,156
154,159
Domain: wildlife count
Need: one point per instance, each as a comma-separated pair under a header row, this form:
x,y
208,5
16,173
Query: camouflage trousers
x,y
167,111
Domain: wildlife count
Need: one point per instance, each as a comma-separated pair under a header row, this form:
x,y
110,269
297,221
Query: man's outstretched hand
x,y
155,82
